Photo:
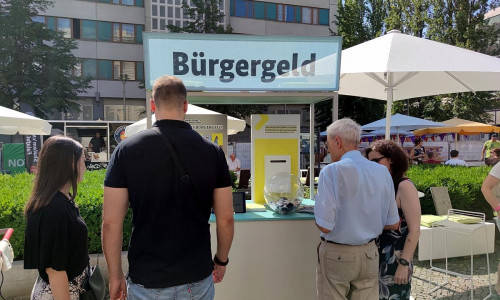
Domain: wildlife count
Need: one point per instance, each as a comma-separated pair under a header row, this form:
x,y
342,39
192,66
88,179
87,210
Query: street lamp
x,y
124,78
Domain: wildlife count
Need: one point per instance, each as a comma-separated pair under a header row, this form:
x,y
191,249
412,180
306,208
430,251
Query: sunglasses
x,y
377,159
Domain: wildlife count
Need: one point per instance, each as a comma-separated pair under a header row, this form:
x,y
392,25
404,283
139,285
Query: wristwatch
x,y
404,262
220,263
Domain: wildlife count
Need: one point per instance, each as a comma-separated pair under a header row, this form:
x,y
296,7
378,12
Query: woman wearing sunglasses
x,y
396,247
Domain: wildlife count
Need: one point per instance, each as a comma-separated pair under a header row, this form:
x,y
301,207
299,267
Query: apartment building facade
x,y
109,38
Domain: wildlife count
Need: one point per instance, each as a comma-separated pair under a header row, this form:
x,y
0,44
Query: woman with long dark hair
x,y
56,235
396,247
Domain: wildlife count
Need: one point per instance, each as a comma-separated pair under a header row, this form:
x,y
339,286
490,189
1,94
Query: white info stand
x,y
467,231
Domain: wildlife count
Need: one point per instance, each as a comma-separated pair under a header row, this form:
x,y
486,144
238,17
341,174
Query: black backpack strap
x,y
185,179
184,176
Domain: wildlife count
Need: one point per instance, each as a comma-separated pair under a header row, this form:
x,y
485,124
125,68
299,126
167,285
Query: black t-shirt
x,y
170,242
56,237
97,143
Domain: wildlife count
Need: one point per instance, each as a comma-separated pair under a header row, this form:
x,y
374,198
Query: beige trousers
x,y
347,272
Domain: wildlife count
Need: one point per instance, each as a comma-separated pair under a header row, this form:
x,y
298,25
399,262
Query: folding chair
x,y
441,199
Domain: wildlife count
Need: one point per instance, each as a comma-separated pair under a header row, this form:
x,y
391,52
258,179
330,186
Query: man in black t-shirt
x,y
97,142
170,244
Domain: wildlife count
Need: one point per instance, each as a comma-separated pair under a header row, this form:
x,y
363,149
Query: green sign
x,y
13,158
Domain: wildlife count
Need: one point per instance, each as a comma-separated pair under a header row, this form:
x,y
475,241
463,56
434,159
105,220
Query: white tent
x,y
397,66
234,125
12,122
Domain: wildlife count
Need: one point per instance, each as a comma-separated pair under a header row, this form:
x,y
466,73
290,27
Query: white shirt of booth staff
x,y
233,163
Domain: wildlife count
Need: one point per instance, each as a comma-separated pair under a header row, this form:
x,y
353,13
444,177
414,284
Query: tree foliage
x,y
205,17
456,22
36,63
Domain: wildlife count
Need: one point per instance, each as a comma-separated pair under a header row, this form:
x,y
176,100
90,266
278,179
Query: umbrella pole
x,y
311,151
390,83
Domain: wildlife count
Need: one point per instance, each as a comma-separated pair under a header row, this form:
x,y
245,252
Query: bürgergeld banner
x,y
223,62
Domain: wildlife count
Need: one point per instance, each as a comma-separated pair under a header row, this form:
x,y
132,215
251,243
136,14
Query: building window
x,y
260,10
88,30
105,69
271,11
139,70
86,113
289,13
89,68
38,19
306,15
115,112
279,12
140,29
64,25
104,31
128,33
324,18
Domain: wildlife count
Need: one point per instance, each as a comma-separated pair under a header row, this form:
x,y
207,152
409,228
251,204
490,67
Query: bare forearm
x,y
225,233
410,245
112,242
59,284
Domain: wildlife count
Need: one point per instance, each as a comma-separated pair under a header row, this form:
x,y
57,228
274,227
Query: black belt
x,y
332,242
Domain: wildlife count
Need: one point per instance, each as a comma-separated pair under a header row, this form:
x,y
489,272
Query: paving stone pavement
x,y
458,287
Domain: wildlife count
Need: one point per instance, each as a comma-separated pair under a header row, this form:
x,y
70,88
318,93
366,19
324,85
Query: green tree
x,y
460,23
36,63
205,17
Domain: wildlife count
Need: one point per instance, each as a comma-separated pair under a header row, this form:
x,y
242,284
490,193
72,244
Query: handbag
x,y
94,285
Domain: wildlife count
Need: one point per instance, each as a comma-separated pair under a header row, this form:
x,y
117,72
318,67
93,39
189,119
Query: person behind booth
x,y
396,247
233,163
97,143
56,235
354,203
169,253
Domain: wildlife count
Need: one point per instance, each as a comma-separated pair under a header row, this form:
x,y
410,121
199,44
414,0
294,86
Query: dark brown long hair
x,y
399,159
57,165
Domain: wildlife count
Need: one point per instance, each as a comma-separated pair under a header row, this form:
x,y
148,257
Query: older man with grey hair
x,y
354,203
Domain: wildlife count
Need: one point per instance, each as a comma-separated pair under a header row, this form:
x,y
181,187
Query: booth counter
x,y
273,256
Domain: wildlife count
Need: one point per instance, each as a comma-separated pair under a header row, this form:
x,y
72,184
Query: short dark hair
x,y
430,154
399,158
453,153
169,92
418,140
497,151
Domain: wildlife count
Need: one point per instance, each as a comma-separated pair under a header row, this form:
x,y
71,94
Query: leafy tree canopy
x,y
459,22
36,62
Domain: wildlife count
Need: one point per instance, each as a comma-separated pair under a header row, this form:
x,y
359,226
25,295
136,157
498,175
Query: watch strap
x,y
220,263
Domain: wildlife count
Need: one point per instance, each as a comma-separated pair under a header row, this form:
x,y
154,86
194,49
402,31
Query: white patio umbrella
x,y
234,125
402,123
13,121
397,66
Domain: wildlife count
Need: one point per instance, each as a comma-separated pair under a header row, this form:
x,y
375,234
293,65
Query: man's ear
x,y
153,106
186,105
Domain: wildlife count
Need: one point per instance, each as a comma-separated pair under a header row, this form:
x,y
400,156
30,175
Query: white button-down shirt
x,y
355,200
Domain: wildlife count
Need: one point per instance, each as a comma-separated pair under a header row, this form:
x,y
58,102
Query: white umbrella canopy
x,y
234,125
397,66
13,121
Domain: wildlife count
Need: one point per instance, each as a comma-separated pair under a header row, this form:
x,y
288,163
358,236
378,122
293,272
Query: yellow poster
x,y
218,139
